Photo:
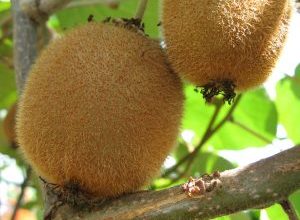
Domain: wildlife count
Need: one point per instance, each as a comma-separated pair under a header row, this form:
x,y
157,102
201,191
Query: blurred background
x,y
262,123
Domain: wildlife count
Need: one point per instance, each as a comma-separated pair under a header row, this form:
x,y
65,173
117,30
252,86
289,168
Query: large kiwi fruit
x,y
100,108
224,45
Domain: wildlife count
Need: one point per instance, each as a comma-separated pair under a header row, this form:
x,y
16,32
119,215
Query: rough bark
x,y
257,185
25,42
39,10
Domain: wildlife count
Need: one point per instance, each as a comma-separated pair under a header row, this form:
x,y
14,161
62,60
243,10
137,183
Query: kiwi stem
x,y
141,10
250,131
203,141
211,130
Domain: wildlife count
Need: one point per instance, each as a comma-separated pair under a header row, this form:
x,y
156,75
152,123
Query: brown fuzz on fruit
x,y
213,42
101,108
9,124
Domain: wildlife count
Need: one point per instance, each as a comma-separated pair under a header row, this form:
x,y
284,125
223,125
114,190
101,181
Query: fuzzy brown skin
x,y
102,108
217,40
9,124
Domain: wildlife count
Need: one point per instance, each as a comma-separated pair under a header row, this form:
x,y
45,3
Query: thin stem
x,y
213,131
208,134
250,131
289,209
141,10
214,117
21,195
229,114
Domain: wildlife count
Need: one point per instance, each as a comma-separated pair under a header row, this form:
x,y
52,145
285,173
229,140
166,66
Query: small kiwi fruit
x,y
101,108
223,45
9,125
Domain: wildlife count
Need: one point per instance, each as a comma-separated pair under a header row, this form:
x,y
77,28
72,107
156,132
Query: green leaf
x,y
197,114
36,184
254,214
71,17
223,218
254,123
6,48
247,215
160,183
296,82
7,150
4,6
255,117
297,71
30,205
288,105
276,212
295,199
40,214
258,112
208,162
180,151
241,216
7,86
4,16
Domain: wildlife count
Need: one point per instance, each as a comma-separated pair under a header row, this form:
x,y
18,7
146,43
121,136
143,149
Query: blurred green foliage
x,y
288,105
253,123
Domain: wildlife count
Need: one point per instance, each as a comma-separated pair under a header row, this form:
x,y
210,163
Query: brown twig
x,y
210,132
289,209
260,184
141,10
21,195
40,10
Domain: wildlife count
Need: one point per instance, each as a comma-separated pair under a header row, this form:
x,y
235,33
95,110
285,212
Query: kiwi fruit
x,y
9,125
101,108
224,46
